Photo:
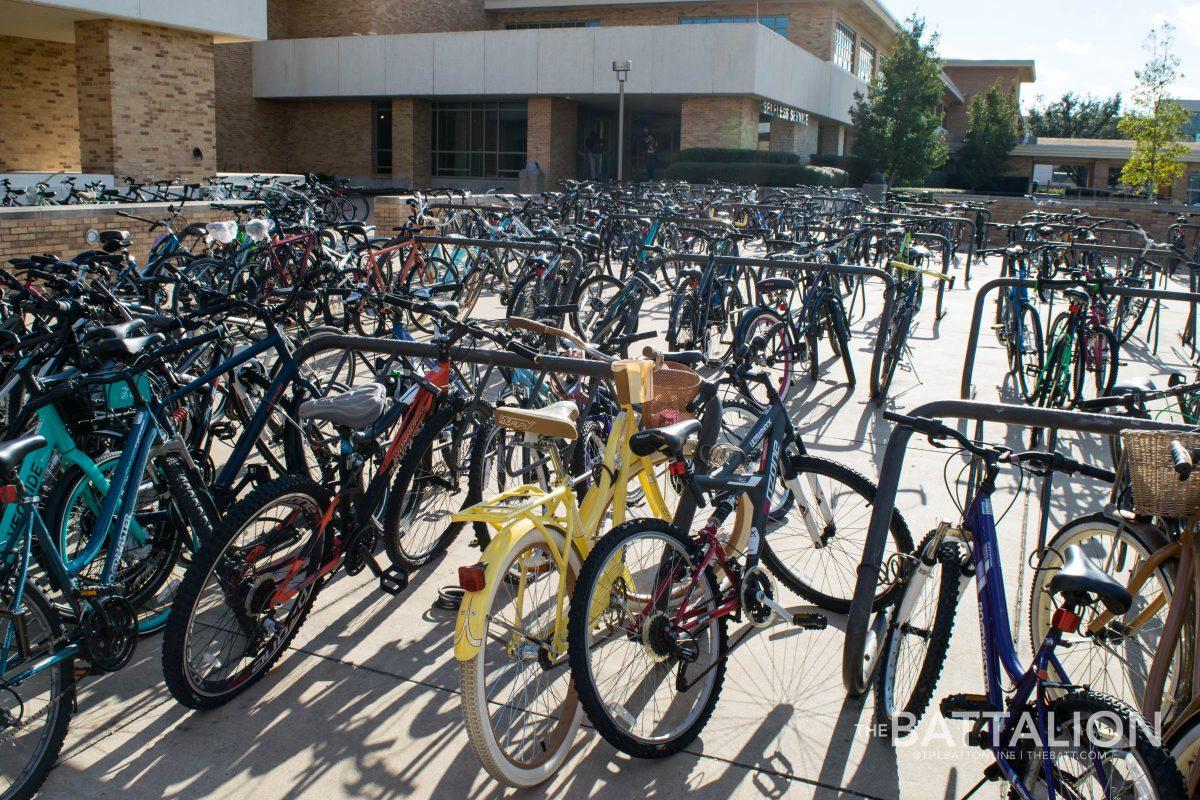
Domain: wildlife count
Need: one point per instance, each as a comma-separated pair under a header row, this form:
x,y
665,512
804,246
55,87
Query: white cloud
x,y
1186,18
1074,48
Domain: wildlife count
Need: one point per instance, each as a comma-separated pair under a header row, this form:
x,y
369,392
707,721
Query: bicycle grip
x,y
524,351
1182,459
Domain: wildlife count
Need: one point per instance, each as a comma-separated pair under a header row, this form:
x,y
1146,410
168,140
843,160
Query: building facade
x,y
393,93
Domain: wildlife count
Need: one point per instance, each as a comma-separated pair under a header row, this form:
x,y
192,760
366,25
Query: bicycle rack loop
x,y
859,651
958,221
889,296
568,287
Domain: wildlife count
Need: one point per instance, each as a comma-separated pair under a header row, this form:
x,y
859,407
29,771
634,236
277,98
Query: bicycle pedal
x,y
810,620
393,580
91,590
966,706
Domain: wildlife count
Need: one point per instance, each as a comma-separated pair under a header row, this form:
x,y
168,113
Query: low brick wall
x,y
392,210
60,229
1151,217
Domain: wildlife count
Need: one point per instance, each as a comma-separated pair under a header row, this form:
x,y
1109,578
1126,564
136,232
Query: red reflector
x,y
692,284
471,579
1066,621
8,494
678,468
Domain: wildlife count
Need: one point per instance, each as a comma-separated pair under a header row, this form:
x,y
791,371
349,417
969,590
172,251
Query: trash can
x,y
875,189
531,180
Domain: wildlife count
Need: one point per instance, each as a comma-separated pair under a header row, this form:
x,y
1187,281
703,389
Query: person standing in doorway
x,y
594,146
651,145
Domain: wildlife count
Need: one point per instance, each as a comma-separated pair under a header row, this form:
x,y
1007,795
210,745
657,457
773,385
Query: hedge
x,y
730,155
859,169
758,174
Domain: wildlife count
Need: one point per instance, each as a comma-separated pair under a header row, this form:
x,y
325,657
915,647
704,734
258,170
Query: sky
x,y
1079,45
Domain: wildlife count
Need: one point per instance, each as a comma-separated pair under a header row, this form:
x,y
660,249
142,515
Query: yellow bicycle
x,y
510,636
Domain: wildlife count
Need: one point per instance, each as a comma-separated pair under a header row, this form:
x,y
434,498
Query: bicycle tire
x,y
1027,321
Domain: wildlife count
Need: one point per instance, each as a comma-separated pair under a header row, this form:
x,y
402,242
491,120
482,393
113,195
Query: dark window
x,y
381,136
524,26
764,131
479,140
777,24
843,46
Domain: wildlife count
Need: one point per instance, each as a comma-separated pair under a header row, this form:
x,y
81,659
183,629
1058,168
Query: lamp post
x,y
622,69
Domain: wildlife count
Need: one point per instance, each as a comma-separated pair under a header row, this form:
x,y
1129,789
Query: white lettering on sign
x,y
783,112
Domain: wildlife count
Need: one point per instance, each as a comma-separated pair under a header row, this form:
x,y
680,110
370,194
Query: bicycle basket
x,y
675,387
1157,490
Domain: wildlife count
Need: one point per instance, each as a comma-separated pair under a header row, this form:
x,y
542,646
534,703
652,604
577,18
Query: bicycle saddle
x,y
13,452
669,439
1080,580
120,330
776,285
920,251
556,420
1142,384
121,349
356,408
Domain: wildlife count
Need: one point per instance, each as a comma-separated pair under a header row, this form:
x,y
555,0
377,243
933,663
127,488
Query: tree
x,y
1157,125
898,121
991,134
1074,117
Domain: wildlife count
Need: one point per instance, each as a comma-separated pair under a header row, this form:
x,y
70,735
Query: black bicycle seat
x,y
669,439
13,452
123,349
1080,580
776,285
356,409
119,330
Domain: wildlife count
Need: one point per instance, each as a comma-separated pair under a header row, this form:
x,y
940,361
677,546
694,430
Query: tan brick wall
x,y
972,81
302,19
719,121
146,99
60,230
38,98
792,137
411,129
250,133
552,137
1008,210
332,136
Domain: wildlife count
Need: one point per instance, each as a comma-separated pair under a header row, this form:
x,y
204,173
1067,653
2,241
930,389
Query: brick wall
x,y
302,19
411,129
719,122
972,81
250,133
60,229
331,136
39,100
552,137
792,137
146,99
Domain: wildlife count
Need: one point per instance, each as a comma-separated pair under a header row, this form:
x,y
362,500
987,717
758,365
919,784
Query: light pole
x,y
622,69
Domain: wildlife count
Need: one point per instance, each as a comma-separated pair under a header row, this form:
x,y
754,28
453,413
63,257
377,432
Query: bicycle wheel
x,y
1099,747
918,639
416,517
1116,658
433,273
840,337
768,341
246,593
36,711
521,710
1096,362
684,329
310,446
594,297
1025,351
647,685
893,353
1185,750
816,534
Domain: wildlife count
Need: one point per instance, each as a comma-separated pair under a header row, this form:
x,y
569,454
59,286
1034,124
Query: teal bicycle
x,y
60,617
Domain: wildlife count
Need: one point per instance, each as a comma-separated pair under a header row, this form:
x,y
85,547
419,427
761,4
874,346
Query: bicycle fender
x,y
471,624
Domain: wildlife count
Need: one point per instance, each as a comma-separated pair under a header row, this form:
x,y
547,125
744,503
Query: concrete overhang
x,y
1027,68
1102,149
54,20
668,60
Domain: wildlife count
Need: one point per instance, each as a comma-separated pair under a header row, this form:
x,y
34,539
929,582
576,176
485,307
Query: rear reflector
x,y
471,578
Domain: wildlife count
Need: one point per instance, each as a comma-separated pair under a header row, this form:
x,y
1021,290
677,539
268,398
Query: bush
x,y
859,169
784,175
729,155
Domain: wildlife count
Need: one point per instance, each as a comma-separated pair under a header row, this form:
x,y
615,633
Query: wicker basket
x,y
675,387
1157,490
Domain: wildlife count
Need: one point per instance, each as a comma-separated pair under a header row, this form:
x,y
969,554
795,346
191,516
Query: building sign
x,y
786,113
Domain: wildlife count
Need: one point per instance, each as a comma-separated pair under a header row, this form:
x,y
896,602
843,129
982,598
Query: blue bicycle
x,y
1050,738
1018,325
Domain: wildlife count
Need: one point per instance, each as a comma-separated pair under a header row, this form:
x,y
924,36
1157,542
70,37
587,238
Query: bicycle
x,y
1048,736
909,291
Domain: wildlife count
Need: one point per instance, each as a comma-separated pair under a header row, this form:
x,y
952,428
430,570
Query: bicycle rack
x,y
889,296
958,221
855,654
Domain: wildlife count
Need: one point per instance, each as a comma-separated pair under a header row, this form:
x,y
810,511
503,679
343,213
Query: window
x,y
381,136
524,26
777,24
866,62
479,140
843,47
764,131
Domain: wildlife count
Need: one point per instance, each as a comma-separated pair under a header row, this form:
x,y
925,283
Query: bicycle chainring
x,y
755,580
112,633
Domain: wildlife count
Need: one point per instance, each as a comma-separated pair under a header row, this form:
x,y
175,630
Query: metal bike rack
x,y
889,296
510,244
971,240
858,623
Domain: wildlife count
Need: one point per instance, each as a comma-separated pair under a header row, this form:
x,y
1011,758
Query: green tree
x,y
899,120
1074,117
1157,125
991,134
